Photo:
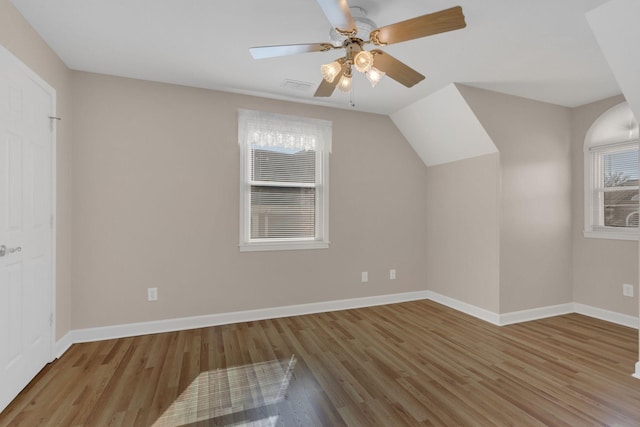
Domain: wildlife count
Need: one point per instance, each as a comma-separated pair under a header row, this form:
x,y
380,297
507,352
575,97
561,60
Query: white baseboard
x,y
535,314
505,318
63,344
170,325
609,316
470,309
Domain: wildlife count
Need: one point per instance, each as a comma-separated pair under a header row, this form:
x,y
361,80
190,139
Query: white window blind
x,y
284,194
615,185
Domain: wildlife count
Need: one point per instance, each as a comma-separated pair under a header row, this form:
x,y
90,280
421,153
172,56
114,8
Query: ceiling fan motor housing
x,y
364,26
352,46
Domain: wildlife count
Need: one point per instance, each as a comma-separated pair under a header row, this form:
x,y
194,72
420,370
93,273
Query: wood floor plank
x,y
417,363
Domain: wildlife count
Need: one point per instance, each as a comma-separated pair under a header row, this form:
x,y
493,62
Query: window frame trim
x,y
321,241
591,169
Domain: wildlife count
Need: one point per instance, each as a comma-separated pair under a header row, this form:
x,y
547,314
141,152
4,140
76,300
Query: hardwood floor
x,y
416,363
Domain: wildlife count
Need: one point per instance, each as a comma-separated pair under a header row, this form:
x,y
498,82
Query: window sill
x,y
282,246
612,234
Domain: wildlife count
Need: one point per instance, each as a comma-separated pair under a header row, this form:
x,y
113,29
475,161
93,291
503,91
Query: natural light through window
x,y
612,200
248,393
284,170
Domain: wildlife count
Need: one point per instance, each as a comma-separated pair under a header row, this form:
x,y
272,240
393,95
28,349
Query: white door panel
x,y
26,269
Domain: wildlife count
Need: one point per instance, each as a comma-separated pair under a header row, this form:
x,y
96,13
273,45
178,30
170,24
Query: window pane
x,y
275,165
620,171
620,168
621,208
282,212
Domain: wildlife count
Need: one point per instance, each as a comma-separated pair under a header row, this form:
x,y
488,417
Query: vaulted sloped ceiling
x,y
442,128
615,25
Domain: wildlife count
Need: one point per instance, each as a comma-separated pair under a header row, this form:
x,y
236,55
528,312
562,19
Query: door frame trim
x,y
54,174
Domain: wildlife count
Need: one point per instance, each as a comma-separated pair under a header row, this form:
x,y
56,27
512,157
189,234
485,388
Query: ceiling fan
x,y
375,63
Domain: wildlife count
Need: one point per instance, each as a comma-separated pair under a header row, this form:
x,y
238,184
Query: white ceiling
x,y
539,49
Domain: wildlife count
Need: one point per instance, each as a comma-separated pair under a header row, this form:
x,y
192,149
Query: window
x,y
611,196
284,166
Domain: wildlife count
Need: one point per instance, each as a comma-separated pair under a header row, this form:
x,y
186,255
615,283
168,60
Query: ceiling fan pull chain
x,y
352,103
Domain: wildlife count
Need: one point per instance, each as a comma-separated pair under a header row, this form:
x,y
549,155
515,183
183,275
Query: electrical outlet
x,y
392,274
627,290
152,294
365,277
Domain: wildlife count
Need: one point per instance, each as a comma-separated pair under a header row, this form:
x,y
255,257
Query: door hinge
x,y
52,120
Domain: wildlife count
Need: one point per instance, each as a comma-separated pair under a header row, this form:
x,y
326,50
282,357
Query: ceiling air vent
x,y
296,85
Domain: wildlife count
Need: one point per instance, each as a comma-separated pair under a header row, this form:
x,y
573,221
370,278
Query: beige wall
x,y
19,38
600,266
535,202
156,186
462,230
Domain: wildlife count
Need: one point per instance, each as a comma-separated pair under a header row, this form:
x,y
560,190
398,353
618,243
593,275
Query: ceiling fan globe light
x,y
363,61
374,76
330,71
345,83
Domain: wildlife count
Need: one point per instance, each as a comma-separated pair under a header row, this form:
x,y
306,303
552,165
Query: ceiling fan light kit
x,y
331,71
374,64
363,61
374,76
345,81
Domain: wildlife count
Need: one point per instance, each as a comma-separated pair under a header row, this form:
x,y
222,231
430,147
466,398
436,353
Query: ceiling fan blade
x,y
338,14
395,69
421,26
262,52
325,88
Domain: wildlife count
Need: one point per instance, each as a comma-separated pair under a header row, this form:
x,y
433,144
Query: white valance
x,y
259,128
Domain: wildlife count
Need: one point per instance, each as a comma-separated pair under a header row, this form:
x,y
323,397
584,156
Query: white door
x,y
26,226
